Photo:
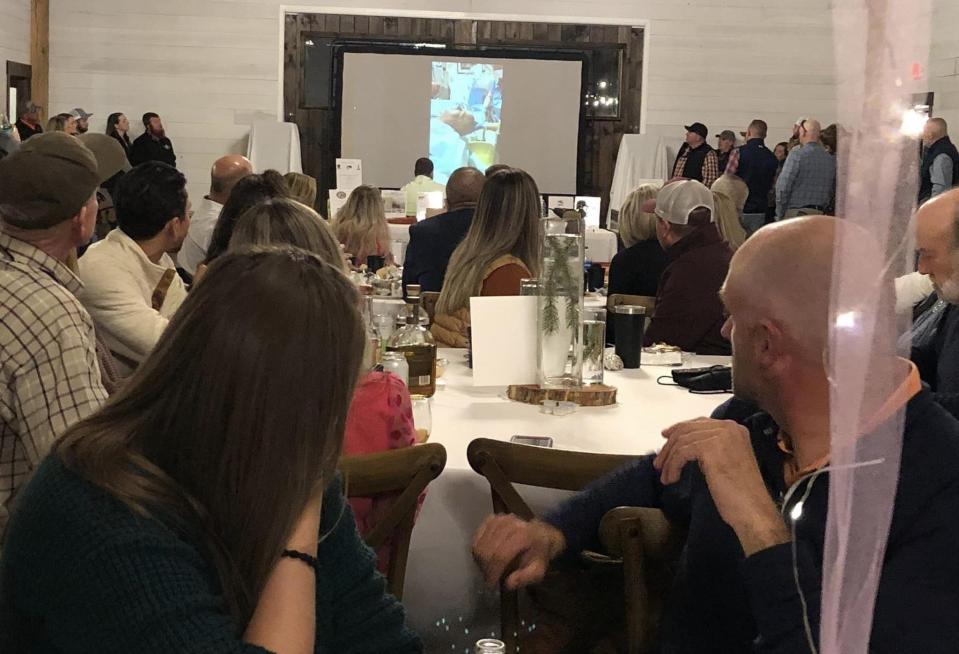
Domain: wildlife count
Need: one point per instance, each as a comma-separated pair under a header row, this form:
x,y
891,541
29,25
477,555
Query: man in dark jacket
x,y
689,313
433,240
757,167
939,171
28,121
750,576
696,159
153,144
937,354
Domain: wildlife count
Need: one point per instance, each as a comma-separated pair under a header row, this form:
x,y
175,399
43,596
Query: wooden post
x,y
40,55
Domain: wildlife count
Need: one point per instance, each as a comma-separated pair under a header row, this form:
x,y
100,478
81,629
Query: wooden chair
x,y
648,547
504,464
429,300
647,301
407,471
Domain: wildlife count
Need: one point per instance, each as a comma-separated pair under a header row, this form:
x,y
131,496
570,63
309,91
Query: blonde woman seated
x,y
302,188
729,197
360,225
381,413
502,246
636,270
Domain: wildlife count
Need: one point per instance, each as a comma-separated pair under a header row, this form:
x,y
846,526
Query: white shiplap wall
x,y
207,66
14,37
944,62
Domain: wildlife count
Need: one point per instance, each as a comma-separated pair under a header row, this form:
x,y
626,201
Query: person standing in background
x,y
807,183
940,160
83,120
757,167
153,144
118,127
726,141
28,121
696,159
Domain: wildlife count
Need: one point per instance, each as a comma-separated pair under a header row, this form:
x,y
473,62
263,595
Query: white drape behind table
x,y
275,145
442,582
641,157
600,243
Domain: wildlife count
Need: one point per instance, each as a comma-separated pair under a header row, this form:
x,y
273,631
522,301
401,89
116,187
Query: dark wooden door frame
x,y
15,69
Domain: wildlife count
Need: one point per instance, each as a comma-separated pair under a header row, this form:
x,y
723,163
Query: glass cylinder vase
x,y
560,304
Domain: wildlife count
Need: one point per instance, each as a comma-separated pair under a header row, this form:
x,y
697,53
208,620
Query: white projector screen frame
x,y
534,87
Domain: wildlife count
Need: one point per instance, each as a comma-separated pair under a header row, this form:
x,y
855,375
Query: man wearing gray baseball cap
x,y
50,378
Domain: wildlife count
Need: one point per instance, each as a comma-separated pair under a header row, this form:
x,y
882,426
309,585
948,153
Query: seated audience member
x,y
495,168
936,224
153,144
200,510
757,168
688,311
112,165
224,175
130,283
50,377
63,123
248,192
28,120
83,120
302,188
502,247
422,183
727,220
636,270
744,582
381,413
118,127
432,241
912,289
360,225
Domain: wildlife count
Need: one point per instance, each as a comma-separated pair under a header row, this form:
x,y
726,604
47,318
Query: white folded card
x,y
504,340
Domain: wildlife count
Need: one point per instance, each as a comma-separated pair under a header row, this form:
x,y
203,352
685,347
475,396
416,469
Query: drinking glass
x,y
385,324
422,417
594,344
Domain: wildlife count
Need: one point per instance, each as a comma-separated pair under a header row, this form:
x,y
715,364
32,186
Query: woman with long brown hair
x,y
360,225
503,246
186,514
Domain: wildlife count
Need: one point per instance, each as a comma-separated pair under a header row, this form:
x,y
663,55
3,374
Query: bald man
x,y
935,350
432,241
940,160
738,581
224,175
807,183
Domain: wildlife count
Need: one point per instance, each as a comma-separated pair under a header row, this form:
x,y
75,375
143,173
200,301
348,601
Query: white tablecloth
x,y
641,158
442,582
600,243
275,145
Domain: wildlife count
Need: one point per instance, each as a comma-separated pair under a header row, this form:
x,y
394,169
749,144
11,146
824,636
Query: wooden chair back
x,y
504,464
406,471
648,546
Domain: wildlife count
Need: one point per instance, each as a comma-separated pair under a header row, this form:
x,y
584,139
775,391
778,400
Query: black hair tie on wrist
x,y
303,556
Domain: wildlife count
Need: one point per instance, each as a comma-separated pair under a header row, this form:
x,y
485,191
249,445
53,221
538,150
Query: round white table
x,y
444,594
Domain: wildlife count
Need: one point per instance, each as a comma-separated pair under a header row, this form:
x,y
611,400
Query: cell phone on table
x,y
535,441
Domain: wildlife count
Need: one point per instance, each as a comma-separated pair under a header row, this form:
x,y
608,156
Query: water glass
x,y
422,417
385,324
594,344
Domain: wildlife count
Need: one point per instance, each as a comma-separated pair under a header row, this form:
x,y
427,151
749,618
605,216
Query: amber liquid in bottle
x,y
416,343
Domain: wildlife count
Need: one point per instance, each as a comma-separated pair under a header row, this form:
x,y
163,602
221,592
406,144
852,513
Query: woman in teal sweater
x,y
185,516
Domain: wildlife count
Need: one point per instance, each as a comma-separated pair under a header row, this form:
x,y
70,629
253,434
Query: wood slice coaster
x,y
598,395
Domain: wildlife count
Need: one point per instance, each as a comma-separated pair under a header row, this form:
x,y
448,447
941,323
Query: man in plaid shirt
x,y
696,159
49,377
807,183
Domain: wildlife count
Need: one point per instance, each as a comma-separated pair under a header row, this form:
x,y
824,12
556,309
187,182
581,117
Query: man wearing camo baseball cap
x,y
689,313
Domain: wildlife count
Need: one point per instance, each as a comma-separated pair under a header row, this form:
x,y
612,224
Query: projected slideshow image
x,y
466,109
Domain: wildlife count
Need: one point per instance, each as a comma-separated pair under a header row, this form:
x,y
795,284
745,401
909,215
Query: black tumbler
x,y
374,263
630,326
